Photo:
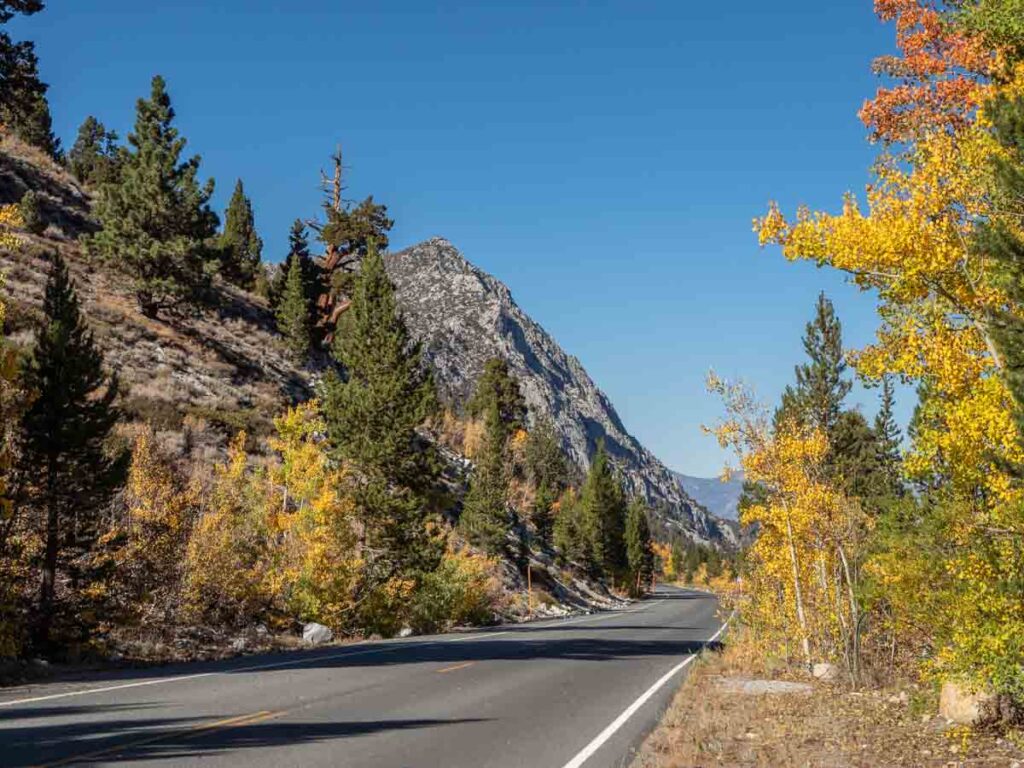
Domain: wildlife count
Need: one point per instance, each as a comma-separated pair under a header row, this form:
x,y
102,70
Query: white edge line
x,y
279,664
587,752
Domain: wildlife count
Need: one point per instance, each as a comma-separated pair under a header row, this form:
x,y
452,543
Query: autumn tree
x,y
157,225
14,573
372,417
94,157
68,470
142,552
240,245
925,241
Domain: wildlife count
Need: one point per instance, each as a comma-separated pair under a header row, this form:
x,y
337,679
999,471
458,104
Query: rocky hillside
x,y
721,499
201,376
464,316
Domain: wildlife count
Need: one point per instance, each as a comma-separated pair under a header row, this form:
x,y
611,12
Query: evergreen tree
x,y
23,105
542,515
855,464
293,313
94,157
570,531
543,459
821,383
31,213
156,218
604,513
347,235
1004,245
485,518
547,470
298,249
69,475
241,247
498,388
372,419
887,436
639,553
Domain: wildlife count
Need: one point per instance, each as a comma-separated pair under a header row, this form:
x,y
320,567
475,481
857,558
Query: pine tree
x,y
298,248
604,514
69,474
347,235
887,436
293,313
1004,245
485,518
542,515
639,553
23,105
543,458
241,248
821,385
156,219
570,531
372,419
498,388
94,157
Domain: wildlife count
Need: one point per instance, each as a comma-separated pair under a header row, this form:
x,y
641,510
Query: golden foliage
x,y
10,220
946,577
276,541
799,584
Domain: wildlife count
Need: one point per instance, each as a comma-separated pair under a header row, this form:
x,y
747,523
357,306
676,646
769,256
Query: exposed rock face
x,y
464,316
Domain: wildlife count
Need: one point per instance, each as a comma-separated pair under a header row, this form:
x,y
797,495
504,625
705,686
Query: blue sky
x,y
604,159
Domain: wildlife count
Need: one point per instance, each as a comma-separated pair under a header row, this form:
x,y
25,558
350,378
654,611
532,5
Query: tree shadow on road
x,y
175,739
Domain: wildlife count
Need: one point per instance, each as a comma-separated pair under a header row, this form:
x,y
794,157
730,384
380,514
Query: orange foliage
x,y
935,77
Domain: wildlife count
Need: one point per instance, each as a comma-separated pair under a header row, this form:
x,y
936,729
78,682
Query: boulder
x,y
959,704
825,672
316,634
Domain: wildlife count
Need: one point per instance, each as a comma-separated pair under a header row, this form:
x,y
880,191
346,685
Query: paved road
x,y
567,693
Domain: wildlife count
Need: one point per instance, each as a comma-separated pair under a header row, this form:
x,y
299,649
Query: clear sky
x,y
604,159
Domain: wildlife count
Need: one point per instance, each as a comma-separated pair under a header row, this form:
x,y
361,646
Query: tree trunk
x,y
805,641
49,582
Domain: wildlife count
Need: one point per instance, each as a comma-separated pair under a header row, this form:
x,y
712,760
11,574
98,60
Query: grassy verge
x,y
712,723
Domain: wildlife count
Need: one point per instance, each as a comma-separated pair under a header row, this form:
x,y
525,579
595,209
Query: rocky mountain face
x,y
721,499
464,316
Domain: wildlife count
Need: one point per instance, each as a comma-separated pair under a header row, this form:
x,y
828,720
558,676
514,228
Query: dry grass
x,y
831,726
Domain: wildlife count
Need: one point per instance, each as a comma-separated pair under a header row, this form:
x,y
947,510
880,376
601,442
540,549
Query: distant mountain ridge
x,y
463,316
718,498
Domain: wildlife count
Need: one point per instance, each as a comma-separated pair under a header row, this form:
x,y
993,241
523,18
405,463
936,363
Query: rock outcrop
x,y
464,316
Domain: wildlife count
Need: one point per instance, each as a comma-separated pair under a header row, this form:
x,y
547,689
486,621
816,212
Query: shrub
x,y
31,213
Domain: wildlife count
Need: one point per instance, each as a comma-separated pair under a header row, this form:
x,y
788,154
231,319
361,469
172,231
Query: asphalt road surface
x,y
571,693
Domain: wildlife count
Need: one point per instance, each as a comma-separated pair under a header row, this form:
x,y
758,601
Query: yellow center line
x,y
187,733
463,665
